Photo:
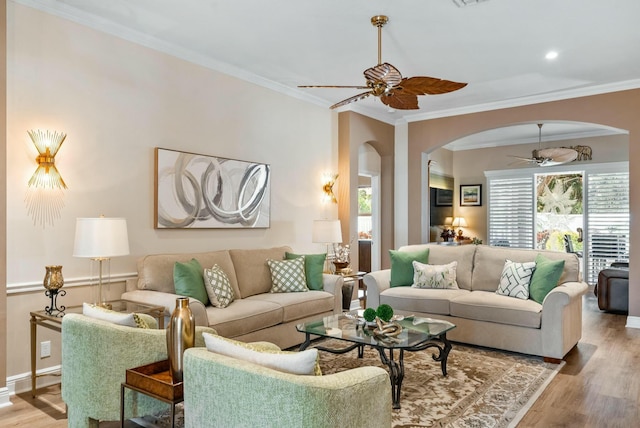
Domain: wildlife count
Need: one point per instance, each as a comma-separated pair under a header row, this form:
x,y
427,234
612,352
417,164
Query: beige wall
x,y
117,101
617,109
3,186
355,130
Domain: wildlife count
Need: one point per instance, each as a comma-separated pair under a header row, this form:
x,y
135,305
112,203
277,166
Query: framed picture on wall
x,y
471,195
444,198
203,192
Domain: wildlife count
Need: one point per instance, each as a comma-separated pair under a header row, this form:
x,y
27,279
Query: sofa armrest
x,y
376,283
293,400
562,319
168,300
333,284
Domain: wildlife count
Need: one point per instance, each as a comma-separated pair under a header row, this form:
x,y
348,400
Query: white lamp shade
x,y
326,232
459,222
101,237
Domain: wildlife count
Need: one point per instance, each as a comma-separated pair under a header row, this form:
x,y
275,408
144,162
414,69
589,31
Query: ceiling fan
x,y
385,82
551,156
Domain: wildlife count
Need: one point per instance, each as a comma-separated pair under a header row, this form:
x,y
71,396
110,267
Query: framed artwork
x,y
444,198
204,192
471,195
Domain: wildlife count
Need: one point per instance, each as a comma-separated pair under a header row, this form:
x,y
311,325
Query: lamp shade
x,y
459,222
101,237
326,232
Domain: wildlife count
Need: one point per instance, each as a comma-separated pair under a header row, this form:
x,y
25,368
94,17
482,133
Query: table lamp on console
x,y
100,239
328,232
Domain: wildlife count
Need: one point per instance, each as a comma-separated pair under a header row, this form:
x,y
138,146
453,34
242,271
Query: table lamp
x,y
99,239
328,232
459,222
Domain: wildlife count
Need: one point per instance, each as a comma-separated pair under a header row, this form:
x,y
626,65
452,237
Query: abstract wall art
x,y
202,192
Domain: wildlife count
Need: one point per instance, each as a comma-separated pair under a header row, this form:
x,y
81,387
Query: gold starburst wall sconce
x,y
45,192
328,181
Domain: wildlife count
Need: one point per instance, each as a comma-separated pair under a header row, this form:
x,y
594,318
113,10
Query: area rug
x,y
483,387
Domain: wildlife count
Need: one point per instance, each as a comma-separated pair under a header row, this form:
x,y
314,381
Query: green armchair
x,y
95,357
221,391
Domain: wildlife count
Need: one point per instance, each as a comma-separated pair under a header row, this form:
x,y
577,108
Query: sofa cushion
x,y
435,276
402,265
299,363
515,279
244,316
287,276
155,271
252,272
489,262
313,268
492,307
420,300
444,254
545,278
219,290
296,306
188,280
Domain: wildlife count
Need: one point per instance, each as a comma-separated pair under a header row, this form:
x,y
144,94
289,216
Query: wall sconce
x,y
328,180
44,195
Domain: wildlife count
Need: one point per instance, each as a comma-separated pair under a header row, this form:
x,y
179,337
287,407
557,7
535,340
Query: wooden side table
x,y
153,380
54,322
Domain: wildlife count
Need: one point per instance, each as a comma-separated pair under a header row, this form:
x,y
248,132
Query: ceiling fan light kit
x,y
386,82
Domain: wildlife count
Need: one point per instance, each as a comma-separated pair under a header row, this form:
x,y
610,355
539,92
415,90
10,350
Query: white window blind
x,y
511,211
607,221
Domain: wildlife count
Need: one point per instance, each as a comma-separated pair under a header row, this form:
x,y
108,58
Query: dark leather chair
x,y
612,288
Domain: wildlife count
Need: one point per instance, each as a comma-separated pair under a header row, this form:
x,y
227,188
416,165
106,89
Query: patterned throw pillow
x,y
114,317
287,275
218,287
435,276
515,279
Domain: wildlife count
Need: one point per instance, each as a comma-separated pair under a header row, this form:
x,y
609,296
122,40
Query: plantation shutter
x,y
511,216
607,220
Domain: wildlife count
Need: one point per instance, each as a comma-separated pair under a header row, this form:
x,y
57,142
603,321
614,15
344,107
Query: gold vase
x,y
181,335
53,279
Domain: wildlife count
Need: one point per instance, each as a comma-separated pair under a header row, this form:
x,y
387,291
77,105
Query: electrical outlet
x,y
45,349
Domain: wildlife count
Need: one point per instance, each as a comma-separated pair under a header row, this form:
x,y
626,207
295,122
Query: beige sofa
x,y
483,317
255,314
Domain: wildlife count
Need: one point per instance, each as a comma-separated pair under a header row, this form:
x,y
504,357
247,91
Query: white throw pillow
x,y
218,287
435,276
287,275
108,315
299,363
515,279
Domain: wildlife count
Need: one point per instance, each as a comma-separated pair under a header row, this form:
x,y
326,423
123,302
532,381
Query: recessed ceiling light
x,y
551,55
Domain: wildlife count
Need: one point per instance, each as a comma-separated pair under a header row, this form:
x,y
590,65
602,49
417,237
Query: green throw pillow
x,y
545,277
188,280
313,268
402,265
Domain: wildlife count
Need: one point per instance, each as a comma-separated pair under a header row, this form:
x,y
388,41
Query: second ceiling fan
x,y
385,82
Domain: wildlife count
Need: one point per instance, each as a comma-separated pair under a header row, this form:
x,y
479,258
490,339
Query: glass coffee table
x,y
417,334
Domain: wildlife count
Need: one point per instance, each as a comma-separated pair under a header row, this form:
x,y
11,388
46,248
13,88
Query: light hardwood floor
x,y
598,387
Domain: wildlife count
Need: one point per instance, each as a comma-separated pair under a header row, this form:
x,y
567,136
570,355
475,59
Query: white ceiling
x,y
497,46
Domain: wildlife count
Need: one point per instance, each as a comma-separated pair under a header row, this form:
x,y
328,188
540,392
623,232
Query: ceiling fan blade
x,y
422,85
558,155
385,73
333,86
400,100
352,99
530,160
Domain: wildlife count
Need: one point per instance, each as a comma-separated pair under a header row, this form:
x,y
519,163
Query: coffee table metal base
x,y
396,368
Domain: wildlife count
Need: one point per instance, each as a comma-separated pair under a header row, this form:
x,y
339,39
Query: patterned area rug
x,y
483,388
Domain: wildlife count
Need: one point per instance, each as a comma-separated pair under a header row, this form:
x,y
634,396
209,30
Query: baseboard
x,y
633,322
22,382
5,396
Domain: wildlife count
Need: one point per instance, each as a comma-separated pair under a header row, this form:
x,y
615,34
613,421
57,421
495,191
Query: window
x,y
512,210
